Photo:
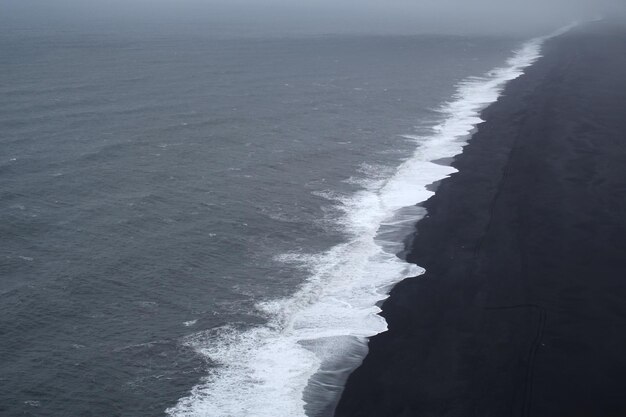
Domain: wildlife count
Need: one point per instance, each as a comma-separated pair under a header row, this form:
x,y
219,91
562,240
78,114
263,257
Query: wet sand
x,y
522,310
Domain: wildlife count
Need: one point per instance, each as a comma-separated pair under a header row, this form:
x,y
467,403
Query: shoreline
x,y
507,306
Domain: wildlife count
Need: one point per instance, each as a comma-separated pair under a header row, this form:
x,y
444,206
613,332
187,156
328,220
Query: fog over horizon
x,y
307,17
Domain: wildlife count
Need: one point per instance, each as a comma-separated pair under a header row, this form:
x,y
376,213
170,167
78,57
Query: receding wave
x,y
295,365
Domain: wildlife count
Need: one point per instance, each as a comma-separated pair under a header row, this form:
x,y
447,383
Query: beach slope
x,y
522,310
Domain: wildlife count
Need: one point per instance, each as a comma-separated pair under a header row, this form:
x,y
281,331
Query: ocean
x,y
200,226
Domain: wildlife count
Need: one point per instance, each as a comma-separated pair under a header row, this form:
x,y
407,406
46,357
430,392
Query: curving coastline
x,y
520,311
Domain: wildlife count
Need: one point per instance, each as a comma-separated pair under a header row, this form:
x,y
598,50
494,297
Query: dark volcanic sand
x,y
522,311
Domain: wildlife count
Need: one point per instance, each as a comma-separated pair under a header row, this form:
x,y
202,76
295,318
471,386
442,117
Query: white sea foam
x,y
264,372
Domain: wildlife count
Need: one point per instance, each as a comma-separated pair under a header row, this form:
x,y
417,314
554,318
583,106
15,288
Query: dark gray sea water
x,y
155,191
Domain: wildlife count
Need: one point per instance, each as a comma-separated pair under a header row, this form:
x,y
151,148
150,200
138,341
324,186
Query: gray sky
x,y
283,17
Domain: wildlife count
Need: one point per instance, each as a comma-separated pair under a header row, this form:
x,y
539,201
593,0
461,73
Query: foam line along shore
x,y
271,370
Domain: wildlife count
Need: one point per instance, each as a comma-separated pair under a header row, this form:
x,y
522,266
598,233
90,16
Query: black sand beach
x,y
522,311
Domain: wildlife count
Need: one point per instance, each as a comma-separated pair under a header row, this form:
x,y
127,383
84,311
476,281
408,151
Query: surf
x,y
296,364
